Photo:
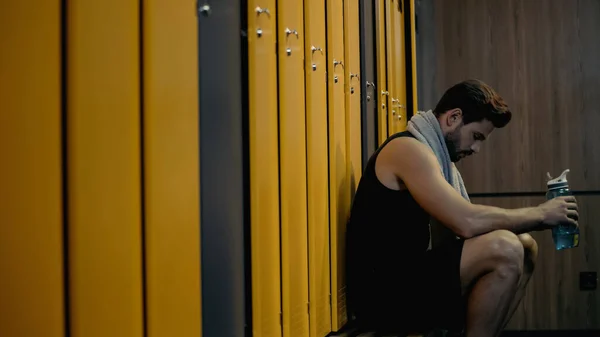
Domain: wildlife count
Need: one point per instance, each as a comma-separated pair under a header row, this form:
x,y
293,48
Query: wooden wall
x,y
553,299
543,57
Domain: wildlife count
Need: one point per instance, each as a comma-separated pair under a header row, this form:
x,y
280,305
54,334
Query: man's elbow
x,y
465,233
465,227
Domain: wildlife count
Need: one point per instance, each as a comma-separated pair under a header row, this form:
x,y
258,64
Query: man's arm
x,y
418,168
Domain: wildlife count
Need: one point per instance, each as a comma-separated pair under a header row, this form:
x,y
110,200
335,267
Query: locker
x,y
353,88
103,169
171,180
339,190
400,68
381,88
413,53
31,198
317,174
264,168
369,95
292,156
223,165
392,64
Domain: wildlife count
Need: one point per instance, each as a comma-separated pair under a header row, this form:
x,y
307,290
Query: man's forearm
x,y
484,219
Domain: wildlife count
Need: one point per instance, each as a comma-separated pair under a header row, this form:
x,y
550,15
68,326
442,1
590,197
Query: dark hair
x,y
477,101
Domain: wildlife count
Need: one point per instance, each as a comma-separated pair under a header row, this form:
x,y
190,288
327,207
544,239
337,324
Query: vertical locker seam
x,y
363,89
279,165
246,188
375,77
142,170
408,51
199,173
64,163
348,157
388,78
306,151
329,170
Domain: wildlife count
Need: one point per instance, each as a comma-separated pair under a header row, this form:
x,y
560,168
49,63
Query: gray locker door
x,y
222,168
368,90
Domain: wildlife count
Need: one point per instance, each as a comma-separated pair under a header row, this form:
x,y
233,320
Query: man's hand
x,y
559,211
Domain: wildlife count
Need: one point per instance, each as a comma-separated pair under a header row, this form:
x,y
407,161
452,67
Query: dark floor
x,y
566,333
595,333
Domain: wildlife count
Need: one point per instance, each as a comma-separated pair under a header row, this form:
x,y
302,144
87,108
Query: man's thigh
x,y
442,281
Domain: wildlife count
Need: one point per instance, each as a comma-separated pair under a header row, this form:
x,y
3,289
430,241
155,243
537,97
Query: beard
x,y
453,144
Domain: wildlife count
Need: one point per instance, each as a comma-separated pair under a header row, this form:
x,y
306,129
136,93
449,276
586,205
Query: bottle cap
x,y
558,182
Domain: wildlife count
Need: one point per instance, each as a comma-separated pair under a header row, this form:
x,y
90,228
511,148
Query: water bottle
x,y
565,236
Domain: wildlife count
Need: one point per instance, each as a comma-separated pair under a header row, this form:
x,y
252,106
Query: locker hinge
x,y
308,307
281,318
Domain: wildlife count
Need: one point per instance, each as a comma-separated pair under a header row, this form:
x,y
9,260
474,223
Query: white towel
x,y
426,128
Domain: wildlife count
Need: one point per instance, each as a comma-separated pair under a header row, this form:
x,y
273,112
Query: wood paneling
x,y
544,60
553,300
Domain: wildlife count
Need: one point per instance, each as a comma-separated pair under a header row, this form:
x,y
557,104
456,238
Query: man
x,y
471,282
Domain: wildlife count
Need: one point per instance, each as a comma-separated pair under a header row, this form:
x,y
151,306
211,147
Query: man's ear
x,y
454,117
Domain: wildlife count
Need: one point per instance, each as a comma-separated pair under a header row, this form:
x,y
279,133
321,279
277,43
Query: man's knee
x,y
507,251
499,251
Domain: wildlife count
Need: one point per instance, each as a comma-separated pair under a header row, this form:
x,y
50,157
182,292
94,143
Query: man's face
x,y
465,140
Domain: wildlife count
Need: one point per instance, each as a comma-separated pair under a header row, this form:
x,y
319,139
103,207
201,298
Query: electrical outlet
x,y
588,280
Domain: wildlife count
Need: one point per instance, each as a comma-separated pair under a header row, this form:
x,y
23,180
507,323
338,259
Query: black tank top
x,y
387,231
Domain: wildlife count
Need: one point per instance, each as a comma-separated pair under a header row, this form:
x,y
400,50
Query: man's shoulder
x,y
406,147
407,157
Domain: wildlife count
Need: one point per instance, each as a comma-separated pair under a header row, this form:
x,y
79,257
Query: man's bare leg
x,y
490,269
531,251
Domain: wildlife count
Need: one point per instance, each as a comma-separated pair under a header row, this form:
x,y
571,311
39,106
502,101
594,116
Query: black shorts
x,y
423,294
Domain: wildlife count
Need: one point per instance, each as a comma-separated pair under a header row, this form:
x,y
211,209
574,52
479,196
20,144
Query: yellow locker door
x,y
31,198
339,190
171,167
353,117
390,38
264,169
399,107
104,171
292,156
381,86
318,189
